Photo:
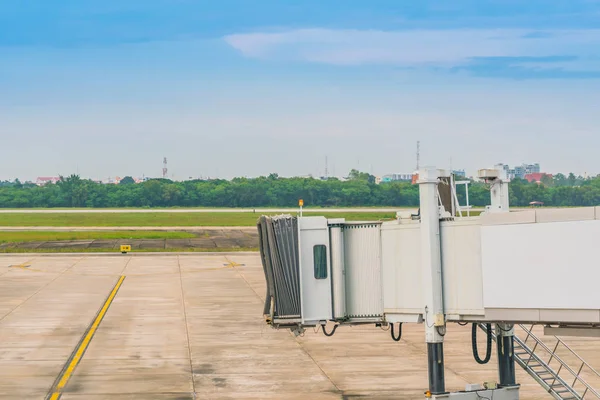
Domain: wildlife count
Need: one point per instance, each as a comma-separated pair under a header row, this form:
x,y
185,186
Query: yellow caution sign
x,y
125,248
301,203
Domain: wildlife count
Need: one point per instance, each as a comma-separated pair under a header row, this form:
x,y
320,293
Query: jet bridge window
x,y
320,260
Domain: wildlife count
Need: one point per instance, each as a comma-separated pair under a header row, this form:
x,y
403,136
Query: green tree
x,y
128,180
546,180
74,190
272,190
356,175
572,179
560,180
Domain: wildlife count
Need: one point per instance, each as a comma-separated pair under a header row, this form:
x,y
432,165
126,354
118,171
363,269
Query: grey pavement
x,y
191,327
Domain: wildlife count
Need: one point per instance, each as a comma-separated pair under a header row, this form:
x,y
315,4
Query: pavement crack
x,y
305,351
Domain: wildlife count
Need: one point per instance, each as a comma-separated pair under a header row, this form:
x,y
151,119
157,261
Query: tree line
x,y
274,191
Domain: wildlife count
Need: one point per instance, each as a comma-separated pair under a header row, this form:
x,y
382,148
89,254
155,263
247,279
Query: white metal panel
x,y
401,264
508,218
362,255
565,214
316,293
338,271
552,265
461,263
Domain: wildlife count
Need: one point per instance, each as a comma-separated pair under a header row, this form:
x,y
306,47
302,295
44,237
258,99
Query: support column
x,y
431,266
435,365
499,193
505,337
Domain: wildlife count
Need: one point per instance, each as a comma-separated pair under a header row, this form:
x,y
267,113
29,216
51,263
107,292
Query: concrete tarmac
x,y
190,327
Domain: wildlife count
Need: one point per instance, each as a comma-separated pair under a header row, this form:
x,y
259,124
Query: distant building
x,y
397,177
536,177
520,171
43,180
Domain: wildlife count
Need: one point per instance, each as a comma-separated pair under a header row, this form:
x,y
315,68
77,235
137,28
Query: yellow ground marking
x,y
24,266
232,264
83,345
21,266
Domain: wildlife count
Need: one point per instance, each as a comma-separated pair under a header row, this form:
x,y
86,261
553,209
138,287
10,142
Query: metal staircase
x,y
550,370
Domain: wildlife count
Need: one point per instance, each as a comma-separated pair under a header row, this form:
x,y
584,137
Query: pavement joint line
x,y
126,265
62,379
304,350
42,288
187,329
234,265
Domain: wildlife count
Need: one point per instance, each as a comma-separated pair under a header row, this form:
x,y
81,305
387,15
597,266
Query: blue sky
x,y
237,87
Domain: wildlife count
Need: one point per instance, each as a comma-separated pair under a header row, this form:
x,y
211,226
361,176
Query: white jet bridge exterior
x,y
435,267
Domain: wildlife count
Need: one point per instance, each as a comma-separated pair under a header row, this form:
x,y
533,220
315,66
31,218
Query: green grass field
x,y
42,236
162,219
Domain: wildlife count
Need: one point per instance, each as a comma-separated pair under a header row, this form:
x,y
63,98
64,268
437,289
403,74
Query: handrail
x,y
560,360
579,357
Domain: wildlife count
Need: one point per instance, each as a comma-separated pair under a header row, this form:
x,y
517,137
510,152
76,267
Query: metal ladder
x,y
560,383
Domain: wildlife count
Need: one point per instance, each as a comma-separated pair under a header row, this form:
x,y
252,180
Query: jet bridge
x,y
499,269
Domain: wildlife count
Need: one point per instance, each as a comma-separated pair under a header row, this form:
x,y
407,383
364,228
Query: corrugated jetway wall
x,y
362,256
278,239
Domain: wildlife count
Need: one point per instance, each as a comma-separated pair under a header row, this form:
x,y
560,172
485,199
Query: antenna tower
x,y
418,154
165,170
326,169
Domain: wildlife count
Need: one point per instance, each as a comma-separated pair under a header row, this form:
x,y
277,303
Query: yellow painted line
x,y
83,345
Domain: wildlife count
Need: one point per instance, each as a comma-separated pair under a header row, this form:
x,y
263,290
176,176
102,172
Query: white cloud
x,y
412,47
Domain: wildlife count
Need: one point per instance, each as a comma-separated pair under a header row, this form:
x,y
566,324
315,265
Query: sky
x,y
245,88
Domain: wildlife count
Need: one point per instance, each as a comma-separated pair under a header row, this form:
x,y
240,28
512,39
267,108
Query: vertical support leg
x,y
431,267
505,338
435,363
